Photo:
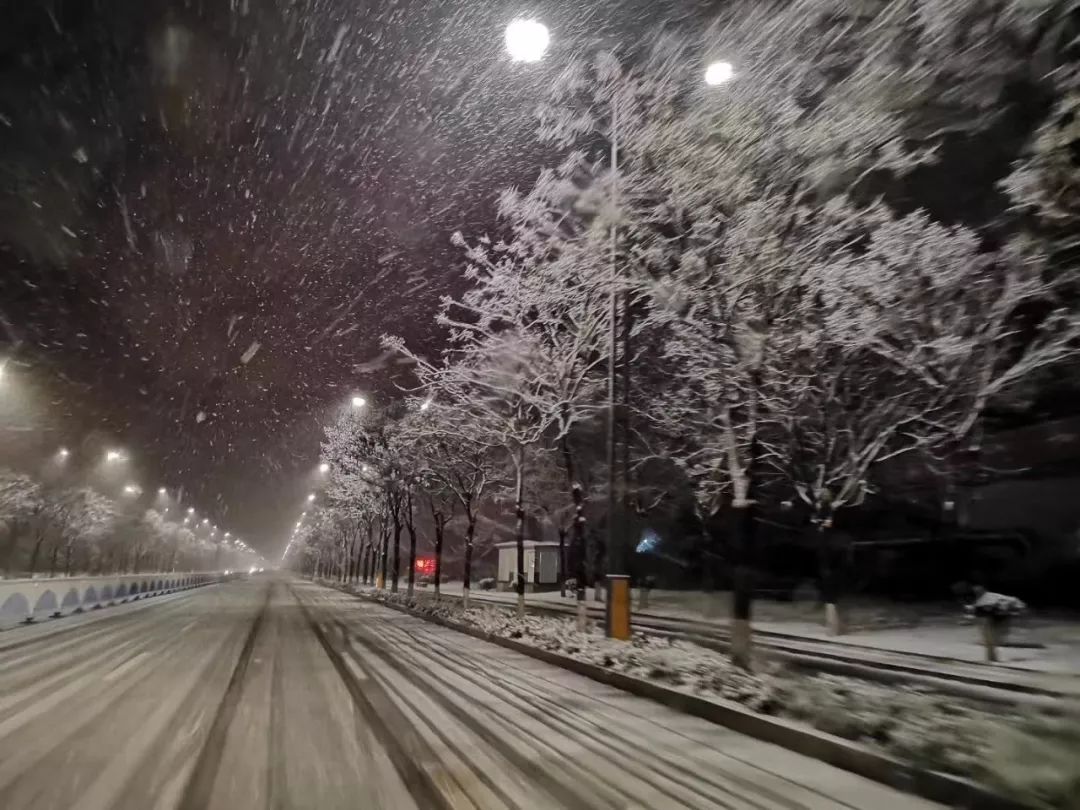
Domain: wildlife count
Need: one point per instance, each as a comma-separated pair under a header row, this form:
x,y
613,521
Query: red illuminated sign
x,y
425,566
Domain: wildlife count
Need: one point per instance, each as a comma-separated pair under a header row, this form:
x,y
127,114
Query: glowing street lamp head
x,y
324,468
205,521
527,40
113,455
311,497
425,404
358,401
131,489
191,510
161,491
718,73
63,452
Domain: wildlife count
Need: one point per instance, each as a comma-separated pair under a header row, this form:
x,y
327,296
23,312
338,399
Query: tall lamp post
x,y
618,603
527,41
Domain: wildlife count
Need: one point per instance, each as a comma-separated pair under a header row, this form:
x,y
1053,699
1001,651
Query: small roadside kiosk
x,y
541,565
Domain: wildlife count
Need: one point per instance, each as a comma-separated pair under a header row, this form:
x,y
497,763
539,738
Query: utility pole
x,y
617,592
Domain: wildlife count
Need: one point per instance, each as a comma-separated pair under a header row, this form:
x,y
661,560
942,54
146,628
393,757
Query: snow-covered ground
x,y
985,743
1049,643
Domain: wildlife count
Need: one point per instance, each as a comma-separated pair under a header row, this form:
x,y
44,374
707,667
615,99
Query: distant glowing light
x,y
161,490
425,404
649,542
527,40
324,468
718,73
358,402
63,452
113,455
311,497
131,489
205,521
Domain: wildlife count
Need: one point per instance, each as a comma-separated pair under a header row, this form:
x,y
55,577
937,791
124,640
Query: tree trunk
x,y
397,552
384,532
53,557
67,559
835,625
13,543
579,547
519,531
440,530
34,553
470,534
742,583
582,551
410,524
562,562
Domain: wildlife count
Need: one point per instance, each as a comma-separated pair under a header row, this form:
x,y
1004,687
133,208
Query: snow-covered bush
x,y
996,605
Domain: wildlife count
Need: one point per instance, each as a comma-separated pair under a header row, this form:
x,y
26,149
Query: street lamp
x,y
113,455
324,468
161,491
311,497
718,73
527,40
358,401
425,404
131,489
191,510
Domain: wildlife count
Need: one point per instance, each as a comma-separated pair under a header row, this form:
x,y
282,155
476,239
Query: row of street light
x,y
114,456
113,460
528,40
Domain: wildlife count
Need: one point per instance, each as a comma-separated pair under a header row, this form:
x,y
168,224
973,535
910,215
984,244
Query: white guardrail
x,y
27,600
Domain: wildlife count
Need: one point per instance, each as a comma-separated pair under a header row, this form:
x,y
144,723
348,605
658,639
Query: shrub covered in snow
x,y
996,605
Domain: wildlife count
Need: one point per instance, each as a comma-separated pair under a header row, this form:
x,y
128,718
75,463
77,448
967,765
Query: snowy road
x,y
282,694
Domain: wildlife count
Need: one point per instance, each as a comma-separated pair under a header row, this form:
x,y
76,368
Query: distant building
x,y
541,565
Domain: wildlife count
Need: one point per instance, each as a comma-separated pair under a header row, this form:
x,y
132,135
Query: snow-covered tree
x,y
454,457
360,448
22,500
86,518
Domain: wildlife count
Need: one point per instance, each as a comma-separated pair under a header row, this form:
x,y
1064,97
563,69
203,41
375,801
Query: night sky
x,y
211,211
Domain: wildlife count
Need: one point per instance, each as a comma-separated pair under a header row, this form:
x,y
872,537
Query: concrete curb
x,y
849,756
